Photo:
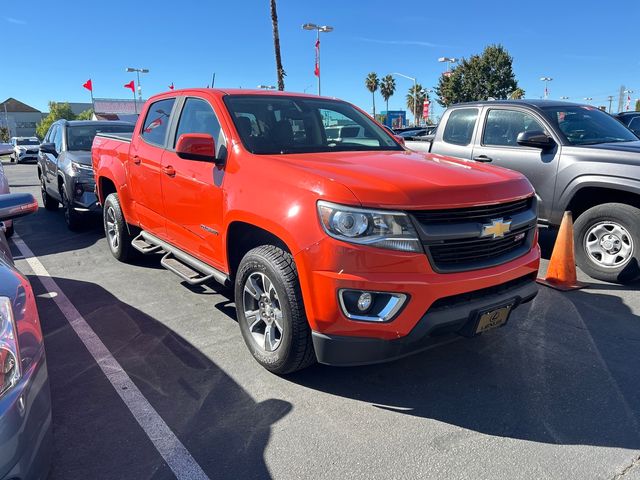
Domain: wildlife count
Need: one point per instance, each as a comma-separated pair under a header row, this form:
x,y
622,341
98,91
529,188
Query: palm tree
x,y
517,94
276,44
419,98
387,89
372,84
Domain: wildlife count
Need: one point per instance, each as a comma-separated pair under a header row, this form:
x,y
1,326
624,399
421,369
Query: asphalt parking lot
x,y
554,395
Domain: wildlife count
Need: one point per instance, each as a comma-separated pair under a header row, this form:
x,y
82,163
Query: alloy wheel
x,y
263,312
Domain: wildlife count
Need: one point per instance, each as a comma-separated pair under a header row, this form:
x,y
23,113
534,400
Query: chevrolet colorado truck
x,y
577,157
342,250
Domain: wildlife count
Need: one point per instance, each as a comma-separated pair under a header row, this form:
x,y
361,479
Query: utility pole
x,y
610,98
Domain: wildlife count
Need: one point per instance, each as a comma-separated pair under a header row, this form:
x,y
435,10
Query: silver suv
x,y
25,149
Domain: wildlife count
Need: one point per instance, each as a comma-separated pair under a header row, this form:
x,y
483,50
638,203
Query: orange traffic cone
x,y
561,273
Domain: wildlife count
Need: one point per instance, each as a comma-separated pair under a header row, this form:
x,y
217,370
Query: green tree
x,y
372,83
478,78
86,115
387,89
57,111
419,98
4,134
517,94
276,45
637,105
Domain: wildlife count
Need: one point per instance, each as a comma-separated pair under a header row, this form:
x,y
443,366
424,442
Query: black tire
x,y
9,231
48,201
72,218
295,349
112,213
12,158
608,214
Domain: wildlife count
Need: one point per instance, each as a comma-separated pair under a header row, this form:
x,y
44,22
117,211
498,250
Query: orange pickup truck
x,y
341,246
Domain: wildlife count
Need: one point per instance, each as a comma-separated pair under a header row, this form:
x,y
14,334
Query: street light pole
x,y
449,61
610,98
318,29
546,81
415,95
138,72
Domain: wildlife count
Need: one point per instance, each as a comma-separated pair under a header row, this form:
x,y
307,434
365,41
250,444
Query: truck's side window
x,y
459,127
197,117
503,126
156,123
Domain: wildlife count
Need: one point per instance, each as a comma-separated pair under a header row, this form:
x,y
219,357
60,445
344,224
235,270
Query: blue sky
x,y
52,48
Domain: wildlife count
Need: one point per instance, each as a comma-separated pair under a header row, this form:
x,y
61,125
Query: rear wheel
x,y
607,242
48,201
116,230
8,231
271,312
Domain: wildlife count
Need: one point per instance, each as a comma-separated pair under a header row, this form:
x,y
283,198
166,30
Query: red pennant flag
x,y
171,86
131,86
316,71
88,85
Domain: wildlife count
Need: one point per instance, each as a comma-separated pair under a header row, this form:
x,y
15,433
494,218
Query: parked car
x,y
6,225
25,149
627,117
64,167
347,252
6,148
577,157
25,401
634,126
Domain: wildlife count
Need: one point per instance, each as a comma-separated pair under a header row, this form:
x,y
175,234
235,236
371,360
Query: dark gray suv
x,y
65,170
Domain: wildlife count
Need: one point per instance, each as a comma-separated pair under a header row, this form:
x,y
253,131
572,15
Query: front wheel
x,y
71,217
607,242
48,201
116,230
271,311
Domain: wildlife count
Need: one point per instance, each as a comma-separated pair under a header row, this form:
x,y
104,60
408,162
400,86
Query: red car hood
x,y
410,180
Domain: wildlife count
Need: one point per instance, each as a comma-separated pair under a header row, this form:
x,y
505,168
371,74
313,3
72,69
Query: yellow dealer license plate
x,y
493,318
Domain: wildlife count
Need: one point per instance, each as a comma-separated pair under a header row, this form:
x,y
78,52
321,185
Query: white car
x,y
25,149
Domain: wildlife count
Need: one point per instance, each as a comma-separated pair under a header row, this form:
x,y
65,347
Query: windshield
x,y
270,124
27,141
583,125
80,137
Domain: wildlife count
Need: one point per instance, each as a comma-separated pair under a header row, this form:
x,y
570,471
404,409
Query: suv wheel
x,y
608,242
116,230
271,312
8,231
48,201
71,217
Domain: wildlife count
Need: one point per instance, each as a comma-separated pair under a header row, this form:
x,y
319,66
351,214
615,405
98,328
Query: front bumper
x,y
25,426
448,315
84,196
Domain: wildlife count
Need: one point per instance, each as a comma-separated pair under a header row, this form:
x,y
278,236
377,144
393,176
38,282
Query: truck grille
x,y
454,242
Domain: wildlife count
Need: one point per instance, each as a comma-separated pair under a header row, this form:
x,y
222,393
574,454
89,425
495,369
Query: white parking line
x,y
169,447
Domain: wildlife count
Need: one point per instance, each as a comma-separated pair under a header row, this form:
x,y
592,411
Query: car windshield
x,y
584,125
27,141
270,124
80,137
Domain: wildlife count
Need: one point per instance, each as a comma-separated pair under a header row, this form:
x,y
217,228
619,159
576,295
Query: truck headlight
x,y
10,368
377,228
81,168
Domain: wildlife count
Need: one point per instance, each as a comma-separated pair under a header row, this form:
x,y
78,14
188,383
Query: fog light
x,y
364,301
371,306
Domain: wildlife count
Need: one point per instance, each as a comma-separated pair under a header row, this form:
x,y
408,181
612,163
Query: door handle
x,y
169,170
483,158
136,159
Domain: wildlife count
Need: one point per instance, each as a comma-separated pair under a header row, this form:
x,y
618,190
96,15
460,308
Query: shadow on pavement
x,y
224,429
564,371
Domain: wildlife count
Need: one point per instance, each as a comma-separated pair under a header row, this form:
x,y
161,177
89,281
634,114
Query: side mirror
x,y
14,205
536,139
399,139
48,148
197,146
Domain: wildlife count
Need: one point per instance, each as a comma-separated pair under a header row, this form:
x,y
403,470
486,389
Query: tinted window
x,y
583,125
56,137
197,117
460,125
155,125
269,124
28,141
80,137
504,126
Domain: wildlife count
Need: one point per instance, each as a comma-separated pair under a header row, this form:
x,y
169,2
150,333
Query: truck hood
x,y
410,180
79,156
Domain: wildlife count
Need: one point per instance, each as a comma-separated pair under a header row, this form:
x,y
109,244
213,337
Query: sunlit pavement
x,y
555,394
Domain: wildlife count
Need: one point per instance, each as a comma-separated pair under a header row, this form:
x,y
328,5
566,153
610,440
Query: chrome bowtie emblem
x,y
497,228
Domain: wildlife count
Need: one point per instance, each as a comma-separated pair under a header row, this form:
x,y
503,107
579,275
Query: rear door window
x,y
460,125
156,123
